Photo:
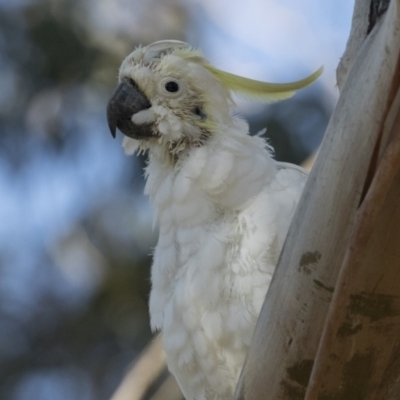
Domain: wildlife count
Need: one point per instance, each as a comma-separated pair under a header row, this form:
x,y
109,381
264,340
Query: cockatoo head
x,y
170,97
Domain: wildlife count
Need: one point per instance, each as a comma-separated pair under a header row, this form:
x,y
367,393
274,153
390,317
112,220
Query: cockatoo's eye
x,y
172,87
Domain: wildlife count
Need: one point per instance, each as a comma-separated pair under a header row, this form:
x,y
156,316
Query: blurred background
x,y
75,229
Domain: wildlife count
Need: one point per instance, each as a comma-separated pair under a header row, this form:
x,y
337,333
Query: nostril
x,y
132,82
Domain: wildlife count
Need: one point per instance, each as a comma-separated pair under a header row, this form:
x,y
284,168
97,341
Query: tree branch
x,y
341,225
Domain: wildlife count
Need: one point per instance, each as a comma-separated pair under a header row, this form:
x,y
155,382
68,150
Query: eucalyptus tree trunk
x,y
330,325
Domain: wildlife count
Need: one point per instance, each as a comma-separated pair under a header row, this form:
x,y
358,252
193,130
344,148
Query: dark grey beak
x,y
126,101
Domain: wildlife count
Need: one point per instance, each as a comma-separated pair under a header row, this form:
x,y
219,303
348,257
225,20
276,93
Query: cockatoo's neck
x,y
223,175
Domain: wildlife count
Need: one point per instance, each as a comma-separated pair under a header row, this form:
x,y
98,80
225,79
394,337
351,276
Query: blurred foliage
x,y
75,231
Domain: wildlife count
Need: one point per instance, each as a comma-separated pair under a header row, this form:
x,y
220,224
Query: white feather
x,y
226,244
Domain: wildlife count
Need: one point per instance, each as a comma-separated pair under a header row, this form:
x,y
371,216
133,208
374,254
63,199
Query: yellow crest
x,y
262,90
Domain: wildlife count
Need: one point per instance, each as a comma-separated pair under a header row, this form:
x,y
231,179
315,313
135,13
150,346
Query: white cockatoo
x,y
223,206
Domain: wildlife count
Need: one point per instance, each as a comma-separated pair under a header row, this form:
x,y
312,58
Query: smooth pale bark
x,y
354,360
347,222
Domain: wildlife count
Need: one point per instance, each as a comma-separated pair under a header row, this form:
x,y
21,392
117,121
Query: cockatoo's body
x,y
223,214
223,206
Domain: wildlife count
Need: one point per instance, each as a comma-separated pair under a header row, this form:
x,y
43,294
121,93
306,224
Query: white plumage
x,y
223,206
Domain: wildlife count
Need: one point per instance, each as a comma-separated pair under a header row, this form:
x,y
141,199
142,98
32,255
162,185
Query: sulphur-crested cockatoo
x,y
223,206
